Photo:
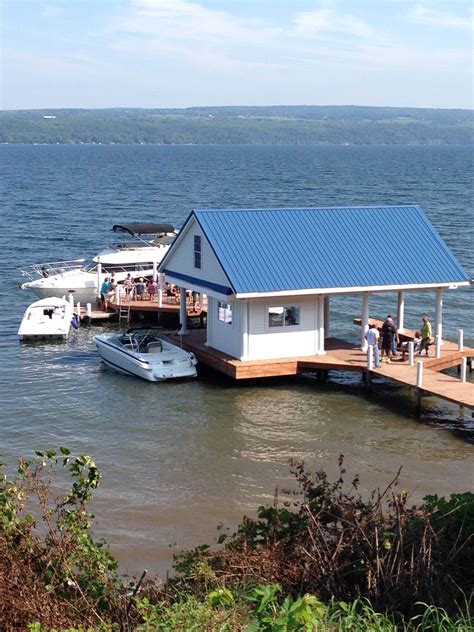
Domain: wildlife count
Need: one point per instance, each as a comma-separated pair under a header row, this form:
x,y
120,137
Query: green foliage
x,y
282,125
292,615
50,534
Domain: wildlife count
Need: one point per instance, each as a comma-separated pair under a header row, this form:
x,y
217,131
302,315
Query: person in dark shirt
x,y
389,332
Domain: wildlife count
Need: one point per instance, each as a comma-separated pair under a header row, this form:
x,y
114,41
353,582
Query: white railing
x,y
50,268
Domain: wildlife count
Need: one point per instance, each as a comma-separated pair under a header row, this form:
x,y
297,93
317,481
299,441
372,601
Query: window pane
x,y
275,316
292,315
224,312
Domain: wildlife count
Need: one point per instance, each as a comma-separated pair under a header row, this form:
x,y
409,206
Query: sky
x,y
182,53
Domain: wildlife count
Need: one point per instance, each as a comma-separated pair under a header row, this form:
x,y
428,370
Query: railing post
x,y
463,369
370,357
419,374
438,345
461,340
411,353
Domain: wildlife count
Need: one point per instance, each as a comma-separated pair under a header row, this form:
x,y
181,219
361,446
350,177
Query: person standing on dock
x,y
389,331
426,333
103,293
372,336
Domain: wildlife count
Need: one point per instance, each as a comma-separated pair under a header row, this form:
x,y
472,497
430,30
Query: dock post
x,y
411,353
117,295
401,311
183,313
71,299
160,298
364,325
370,357
461,340
463,369
438,344
89,311
439,313
78,313
419,374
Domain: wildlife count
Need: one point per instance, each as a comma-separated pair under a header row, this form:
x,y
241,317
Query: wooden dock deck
x,y
343,356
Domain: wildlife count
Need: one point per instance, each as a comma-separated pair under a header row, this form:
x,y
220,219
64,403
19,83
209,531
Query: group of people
x,y
388,340
139,290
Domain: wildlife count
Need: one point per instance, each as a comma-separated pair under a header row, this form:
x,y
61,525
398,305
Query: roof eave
x,y
452,285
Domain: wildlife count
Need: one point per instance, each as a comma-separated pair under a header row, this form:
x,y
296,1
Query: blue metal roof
x,y
273,250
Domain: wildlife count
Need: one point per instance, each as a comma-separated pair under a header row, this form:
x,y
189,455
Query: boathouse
x,y
269,274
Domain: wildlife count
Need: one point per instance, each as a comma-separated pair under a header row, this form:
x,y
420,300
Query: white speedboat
x,y
142,352
48,318
139,257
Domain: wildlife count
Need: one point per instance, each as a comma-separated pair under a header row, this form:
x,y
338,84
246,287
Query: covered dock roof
x,y
303,250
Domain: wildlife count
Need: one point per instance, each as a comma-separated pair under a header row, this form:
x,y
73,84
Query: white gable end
x,y
180,265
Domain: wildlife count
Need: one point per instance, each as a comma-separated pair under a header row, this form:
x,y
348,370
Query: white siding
x,y
285,342
224,337
182,259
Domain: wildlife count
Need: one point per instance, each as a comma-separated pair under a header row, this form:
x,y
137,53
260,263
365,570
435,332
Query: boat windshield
x,y
89,266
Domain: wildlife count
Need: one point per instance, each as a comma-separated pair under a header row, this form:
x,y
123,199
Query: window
x,y
224,312
197,251
284,316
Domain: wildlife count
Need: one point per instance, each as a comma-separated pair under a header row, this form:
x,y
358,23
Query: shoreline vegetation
x,y
240,125
321,557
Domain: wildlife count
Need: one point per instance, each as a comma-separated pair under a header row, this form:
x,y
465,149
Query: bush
x,y
331,542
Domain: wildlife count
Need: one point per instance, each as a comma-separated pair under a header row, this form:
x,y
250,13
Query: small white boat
x,y
48,318
144,353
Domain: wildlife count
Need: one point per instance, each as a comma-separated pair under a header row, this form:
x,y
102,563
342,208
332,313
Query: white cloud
x,y
431,17
321,21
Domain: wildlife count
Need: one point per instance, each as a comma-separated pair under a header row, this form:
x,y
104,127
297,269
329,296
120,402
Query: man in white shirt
x,y
372,336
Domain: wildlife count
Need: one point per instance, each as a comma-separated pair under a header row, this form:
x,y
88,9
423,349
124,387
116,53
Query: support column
x,y
438,329
364,325
183,312
321,350
245,330
327,307
99,278
401,312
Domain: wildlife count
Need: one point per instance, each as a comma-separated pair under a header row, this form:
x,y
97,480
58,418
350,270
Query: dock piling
x,y
411,353
370,358
463,369
419,374
461,340
89,311
78,313
438,345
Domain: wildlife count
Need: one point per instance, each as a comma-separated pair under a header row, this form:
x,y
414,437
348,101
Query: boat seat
x,y
154,347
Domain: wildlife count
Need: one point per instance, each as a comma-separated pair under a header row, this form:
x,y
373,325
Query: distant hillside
x,y
273,125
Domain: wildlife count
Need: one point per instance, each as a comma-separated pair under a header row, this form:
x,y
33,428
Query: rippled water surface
x,y
180,458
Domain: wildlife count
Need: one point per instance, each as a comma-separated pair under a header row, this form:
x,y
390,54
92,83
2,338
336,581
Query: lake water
x,y
179,458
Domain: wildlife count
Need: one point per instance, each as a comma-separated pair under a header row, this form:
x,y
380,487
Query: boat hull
x,y
152,367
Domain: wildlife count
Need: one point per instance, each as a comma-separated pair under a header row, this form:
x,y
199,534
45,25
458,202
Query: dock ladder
x,y
124,313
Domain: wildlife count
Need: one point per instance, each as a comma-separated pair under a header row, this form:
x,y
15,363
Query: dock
x,y
342,355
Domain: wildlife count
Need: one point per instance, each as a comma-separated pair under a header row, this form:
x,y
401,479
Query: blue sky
x,y
180,53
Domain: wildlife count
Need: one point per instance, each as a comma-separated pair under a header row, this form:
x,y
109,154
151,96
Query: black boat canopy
x,y
143,229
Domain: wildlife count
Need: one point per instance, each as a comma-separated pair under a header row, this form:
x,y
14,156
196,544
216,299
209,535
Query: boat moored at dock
x,y
145,354
49,318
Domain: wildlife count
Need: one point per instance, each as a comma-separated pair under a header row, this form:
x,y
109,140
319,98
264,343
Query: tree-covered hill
x,y
267,125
